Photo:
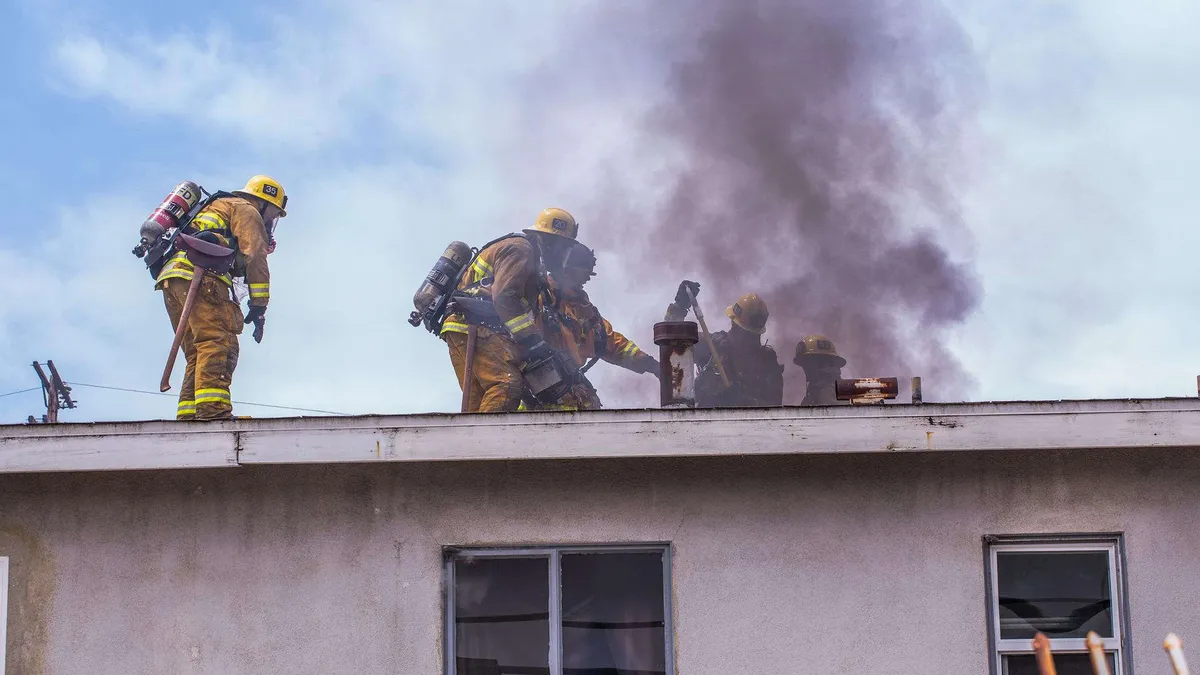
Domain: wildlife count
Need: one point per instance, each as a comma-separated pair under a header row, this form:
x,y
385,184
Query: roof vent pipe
x,y
676,363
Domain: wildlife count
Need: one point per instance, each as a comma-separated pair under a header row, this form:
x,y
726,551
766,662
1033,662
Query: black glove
x,y
682,301
257,316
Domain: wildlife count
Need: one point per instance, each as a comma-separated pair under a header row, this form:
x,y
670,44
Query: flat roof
x,y
889,428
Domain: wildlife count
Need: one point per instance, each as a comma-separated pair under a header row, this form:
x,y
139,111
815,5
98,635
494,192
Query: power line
x,y
157,393
23,391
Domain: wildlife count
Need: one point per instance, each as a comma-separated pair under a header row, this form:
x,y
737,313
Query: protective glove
x,y
682,301
647,364
257,316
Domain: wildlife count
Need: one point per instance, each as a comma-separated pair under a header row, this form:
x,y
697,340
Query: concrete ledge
x,y
1173,423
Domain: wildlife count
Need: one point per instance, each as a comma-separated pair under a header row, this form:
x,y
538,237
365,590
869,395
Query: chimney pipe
x,y
676,363
917,396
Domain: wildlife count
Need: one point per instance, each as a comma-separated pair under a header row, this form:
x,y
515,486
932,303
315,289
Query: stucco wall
x,y
814,564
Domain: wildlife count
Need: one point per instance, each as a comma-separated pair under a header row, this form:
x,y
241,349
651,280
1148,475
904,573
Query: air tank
x,y
441,278
177,204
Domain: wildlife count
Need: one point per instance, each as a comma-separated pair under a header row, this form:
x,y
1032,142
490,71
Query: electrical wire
x,y
159,393
23,391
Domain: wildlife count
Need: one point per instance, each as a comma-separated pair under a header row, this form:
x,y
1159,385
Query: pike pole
x,y
205,256
469,366
707,336
193,291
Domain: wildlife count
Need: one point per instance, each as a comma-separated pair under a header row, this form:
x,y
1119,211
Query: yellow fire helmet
x,y
557,222
265,187
749,312
816,346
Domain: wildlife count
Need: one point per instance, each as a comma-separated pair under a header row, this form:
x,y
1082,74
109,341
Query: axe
x,y
205,257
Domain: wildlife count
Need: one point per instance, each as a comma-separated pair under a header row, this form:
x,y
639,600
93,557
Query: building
x,y
882,539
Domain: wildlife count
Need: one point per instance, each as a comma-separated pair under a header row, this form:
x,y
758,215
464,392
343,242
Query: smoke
x,y
813,152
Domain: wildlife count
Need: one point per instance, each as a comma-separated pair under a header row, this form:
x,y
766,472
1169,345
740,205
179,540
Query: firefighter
x,y
579,331
501,294
822,367
754,372
245,221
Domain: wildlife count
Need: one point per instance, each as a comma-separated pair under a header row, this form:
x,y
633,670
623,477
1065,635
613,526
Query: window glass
x,y
1064,664
502,616
612,613
1062,594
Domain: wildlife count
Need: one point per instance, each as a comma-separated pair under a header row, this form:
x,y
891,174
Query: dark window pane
x,y
502,616
1063,595
612,606
1064,664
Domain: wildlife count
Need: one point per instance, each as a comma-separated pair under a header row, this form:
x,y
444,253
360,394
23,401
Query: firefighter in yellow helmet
x,y
501,294
822,367
245,221
754,372
577,328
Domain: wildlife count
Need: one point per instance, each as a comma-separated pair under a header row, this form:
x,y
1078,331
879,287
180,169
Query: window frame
x,y
3,610
1112,544
553,554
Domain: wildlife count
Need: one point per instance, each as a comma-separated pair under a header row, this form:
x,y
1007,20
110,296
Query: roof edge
x,y
940,427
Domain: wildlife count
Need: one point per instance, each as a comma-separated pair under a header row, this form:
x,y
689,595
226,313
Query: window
x,y
3,609
1064,587
602,610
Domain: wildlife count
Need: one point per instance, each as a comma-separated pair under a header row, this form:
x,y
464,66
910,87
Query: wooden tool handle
x,y
708,336
469,366
193,291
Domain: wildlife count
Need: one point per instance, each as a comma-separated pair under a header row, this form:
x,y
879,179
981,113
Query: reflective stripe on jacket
x,y
230,218
507,274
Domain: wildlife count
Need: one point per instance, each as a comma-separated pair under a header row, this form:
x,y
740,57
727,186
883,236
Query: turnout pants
x,y
210,345
496,384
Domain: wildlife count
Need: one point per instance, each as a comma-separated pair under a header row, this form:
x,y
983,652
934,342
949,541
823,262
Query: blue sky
x,y
395,128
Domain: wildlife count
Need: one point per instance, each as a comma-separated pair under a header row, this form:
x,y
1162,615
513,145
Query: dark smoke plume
x,y
822,152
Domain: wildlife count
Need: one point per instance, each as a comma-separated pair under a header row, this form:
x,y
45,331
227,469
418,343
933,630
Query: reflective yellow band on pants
x,y
187,408
453,327
549,407
212,396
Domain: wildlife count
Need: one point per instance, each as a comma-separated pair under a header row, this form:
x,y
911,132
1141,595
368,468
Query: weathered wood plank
x,y
610,433
115,452
586,436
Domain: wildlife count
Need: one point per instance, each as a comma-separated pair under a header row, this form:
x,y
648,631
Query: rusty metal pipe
x,y
917,396
866,390
676,362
